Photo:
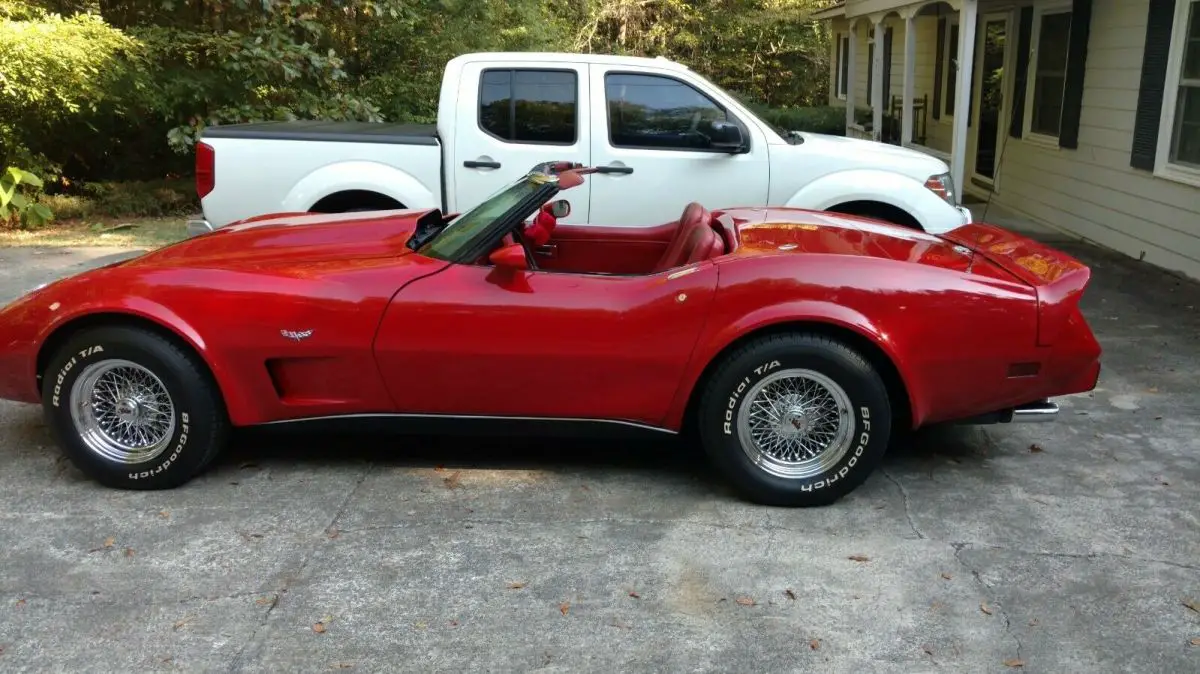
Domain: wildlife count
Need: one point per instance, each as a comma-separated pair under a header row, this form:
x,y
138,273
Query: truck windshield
x,y
464,231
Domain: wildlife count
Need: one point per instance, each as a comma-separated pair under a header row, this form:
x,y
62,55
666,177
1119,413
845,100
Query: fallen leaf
x,y
454,623
1152,389
439,468
452,480
946,576
1014,662
1163,482
164,514
564,607
789,594
814,644
420,624
109,542
1036,448
342,665
618,623
20,603
1192,604
745,601
634,594
333,533
129,552
1034,622
1195,641
516,585
859,558
984,607
1158,418
936,606
927,648
181,623
319,628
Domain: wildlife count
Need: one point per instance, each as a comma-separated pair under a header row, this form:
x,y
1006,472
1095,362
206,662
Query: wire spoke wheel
x,y
122,411
795,423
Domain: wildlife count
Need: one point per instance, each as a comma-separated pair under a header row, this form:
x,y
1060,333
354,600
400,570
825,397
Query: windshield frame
x,y
476,230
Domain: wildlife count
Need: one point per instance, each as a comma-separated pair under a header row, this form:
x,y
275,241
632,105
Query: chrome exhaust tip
x,y
1041,411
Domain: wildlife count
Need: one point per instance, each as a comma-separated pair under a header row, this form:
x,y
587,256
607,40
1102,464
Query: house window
x,y
1051,37
529,106
843,60
1182,120
951,73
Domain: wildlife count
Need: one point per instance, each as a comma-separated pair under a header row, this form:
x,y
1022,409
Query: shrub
x,y
133,199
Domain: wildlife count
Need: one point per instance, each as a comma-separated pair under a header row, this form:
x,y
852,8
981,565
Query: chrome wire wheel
x,y
795,424
122,411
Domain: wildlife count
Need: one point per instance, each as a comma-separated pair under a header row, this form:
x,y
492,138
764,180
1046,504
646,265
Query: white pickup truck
x,y
665,135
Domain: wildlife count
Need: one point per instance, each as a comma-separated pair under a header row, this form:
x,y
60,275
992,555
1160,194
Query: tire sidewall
x,y
188,449
870,415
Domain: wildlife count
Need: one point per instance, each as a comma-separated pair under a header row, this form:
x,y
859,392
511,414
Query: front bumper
x,y
198,227
966,212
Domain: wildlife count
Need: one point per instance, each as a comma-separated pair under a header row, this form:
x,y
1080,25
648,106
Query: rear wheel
x,y
795,420
132,410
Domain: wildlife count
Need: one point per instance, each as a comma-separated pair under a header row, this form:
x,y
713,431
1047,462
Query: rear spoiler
x,y
1058,278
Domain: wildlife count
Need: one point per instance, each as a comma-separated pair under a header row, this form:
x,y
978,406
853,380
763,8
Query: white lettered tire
x,y
795,419
133,410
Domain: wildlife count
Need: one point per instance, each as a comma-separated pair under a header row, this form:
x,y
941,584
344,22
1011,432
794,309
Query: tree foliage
x,y
111,89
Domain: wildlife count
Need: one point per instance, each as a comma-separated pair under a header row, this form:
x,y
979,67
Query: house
x,y
1083,115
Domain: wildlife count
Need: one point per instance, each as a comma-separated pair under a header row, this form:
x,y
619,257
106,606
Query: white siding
x,y
1092,191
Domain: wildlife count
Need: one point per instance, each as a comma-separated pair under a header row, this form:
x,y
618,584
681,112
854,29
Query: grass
x,y
147,233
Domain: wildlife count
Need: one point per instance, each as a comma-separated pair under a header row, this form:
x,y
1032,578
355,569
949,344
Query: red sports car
x,y
791,344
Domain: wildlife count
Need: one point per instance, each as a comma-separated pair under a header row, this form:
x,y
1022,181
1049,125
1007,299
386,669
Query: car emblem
x,y
296,336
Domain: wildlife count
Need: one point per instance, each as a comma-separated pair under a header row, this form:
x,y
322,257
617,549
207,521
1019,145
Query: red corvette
x,y
791,344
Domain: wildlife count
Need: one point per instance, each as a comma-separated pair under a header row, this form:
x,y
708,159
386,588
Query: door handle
x,y
548,250
614,169
471,163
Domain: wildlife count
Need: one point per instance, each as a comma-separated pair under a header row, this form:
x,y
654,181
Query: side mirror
x,y
560,208
510,257
727,136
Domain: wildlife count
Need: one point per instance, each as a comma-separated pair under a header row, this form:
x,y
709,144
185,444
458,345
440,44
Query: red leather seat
x,y
694,240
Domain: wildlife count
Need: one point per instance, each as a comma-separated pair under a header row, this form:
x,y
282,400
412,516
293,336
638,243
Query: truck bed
x,y
340,132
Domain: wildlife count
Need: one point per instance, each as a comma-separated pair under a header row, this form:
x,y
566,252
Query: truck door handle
x,y
614,169
471,163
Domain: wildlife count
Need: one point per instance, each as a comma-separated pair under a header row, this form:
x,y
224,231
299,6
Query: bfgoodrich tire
x,y
795,420
132,410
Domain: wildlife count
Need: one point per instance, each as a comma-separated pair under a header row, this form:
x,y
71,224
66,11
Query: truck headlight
x,y
943,186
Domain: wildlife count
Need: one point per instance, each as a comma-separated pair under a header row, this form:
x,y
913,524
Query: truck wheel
x,y
132,410
795,420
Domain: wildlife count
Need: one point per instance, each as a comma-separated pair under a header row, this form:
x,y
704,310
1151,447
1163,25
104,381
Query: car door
x,y
512,116
474,340
641,117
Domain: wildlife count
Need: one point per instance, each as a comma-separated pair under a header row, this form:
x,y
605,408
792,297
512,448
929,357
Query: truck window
x,y
655,112
529,106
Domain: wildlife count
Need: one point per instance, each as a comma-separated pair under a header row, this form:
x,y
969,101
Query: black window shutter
x,y
1154,75
937,69
1025,33
1081,20
887,68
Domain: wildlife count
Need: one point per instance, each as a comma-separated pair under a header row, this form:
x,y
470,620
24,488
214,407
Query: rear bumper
x,y
198,227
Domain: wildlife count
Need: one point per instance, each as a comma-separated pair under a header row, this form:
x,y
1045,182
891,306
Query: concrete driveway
x,y
1065,547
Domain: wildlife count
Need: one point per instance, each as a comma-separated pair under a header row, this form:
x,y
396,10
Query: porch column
x,y
967,17
877,85
910,69
851,82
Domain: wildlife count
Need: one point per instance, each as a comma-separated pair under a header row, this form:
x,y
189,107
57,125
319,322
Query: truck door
x,y
511,116
650,121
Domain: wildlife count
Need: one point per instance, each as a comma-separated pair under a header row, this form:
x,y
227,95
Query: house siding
x,y
1092,191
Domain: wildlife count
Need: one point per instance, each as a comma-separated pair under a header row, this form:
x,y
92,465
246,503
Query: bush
x,y
155,198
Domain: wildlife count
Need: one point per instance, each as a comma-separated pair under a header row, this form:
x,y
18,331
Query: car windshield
x,y
465,229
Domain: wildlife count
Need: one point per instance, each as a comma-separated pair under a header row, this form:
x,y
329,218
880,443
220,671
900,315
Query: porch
x,y
952,56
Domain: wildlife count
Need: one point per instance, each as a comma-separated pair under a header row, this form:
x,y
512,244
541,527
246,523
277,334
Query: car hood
x,y
294,238
849,153
801,231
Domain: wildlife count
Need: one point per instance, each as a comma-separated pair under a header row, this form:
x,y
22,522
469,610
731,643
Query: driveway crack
x,y
907,503
1008,631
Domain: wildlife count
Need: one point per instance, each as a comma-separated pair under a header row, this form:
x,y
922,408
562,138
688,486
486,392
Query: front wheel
x,y
795,420
132,410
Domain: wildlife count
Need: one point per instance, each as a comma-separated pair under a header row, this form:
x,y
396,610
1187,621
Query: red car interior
x,y
696,236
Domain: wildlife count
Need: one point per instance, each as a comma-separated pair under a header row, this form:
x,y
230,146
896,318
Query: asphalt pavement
x,y
1065,547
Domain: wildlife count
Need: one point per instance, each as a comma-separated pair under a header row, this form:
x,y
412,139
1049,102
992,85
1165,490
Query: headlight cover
x,y
943,186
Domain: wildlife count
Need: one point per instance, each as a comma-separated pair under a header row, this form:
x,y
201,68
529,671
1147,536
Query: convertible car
x,y
791,345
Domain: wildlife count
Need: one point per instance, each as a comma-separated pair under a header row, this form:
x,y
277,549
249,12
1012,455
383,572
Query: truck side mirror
x,y
560,208
727,136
